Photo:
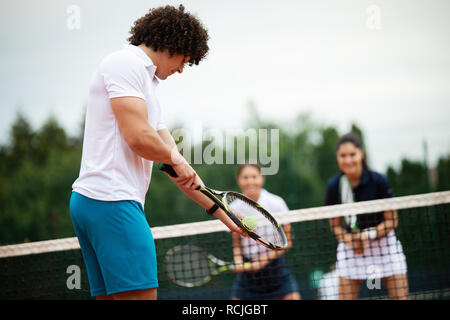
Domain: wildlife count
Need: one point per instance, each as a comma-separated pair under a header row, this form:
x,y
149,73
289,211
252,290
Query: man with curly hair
x,y
124,134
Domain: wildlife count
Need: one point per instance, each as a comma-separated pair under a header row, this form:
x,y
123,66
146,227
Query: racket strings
x,y
187,266
266,227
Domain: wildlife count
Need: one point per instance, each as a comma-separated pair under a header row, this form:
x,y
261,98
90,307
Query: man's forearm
x,y
151,147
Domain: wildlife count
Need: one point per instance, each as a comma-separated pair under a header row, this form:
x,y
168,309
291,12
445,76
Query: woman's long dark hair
x,y
354,139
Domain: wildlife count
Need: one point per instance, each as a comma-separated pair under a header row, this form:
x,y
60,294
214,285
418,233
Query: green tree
x,y
356,129
39,169
412,178
443,174
22,145
326,155
49,138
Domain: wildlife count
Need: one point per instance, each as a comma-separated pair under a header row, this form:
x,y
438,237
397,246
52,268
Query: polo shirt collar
x,y
148,63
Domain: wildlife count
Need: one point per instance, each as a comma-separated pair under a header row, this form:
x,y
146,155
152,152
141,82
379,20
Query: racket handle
x,y
168,169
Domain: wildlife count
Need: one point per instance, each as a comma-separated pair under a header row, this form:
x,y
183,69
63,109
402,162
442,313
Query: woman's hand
x,y
250,267
354,241
240,268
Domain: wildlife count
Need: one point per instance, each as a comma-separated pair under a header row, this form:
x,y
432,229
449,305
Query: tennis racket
x,y
190,266
248,215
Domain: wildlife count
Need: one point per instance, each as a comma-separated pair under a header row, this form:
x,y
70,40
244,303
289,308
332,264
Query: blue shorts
x,y
117,244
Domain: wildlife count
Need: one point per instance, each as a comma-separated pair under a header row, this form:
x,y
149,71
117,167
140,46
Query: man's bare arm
x,y
196,196
132,118
131,115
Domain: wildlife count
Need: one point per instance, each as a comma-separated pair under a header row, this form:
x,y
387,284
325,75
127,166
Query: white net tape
x,y
187,229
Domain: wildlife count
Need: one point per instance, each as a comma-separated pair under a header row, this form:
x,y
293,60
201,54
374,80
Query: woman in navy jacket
x,y
368,248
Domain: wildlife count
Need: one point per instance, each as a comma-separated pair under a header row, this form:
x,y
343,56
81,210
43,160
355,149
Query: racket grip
x,y
168,169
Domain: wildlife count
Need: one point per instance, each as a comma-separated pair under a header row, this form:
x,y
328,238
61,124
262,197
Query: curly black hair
x,y
173,29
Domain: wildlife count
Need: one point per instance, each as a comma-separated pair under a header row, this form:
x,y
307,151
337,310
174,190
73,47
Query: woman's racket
x,y
248,215
189,266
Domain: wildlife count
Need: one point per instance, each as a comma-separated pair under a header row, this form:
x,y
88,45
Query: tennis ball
x,y
249,223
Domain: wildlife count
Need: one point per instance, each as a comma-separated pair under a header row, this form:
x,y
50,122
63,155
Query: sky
x,y
382,64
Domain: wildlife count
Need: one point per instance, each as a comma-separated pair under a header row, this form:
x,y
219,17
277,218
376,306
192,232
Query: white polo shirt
x,y
110,170
272,203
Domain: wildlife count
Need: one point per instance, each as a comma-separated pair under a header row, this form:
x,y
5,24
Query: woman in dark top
x,y
368,248
266,275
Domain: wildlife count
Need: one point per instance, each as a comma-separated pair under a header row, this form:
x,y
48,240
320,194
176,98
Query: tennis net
x,y
412,260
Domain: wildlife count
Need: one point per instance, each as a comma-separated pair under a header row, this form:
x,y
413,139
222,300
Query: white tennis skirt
x,y
381,258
